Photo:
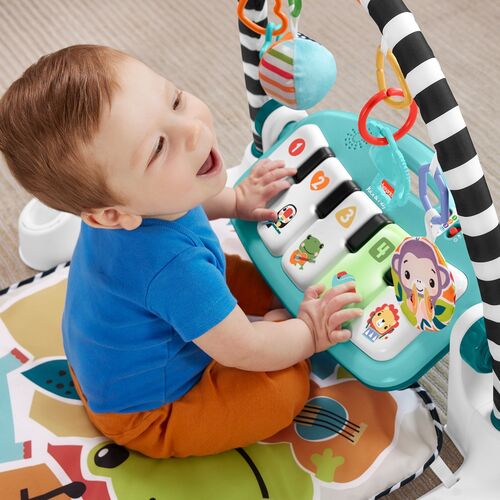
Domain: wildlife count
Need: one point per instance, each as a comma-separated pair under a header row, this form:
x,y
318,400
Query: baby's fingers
x,y
266,165
343,316
337,336
337,302
314,291
264,215
273,189
340,289
277,173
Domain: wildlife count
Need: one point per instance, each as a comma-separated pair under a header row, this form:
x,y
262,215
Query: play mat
x,y
350,441
422,267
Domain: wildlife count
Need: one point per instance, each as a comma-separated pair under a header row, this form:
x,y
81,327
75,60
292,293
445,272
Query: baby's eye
x,y
178,100
159,147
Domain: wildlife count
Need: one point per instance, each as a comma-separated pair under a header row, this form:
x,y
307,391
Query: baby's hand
x,y
265,181
324,316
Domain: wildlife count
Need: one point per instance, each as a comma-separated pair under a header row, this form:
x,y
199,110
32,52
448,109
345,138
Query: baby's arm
x,y
268,346
248,200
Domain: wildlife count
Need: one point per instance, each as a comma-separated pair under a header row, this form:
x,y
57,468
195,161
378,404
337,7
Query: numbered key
x,y
296,207
300,146
332,232
369,265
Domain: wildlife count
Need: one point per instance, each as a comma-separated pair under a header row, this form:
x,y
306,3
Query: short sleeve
x,y
191,293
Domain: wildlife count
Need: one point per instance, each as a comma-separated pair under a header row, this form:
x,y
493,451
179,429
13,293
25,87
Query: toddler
x,y
154,327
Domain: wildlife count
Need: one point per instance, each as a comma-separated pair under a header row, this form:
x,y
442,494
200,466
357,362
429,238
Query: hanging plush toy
x,y
297,72
294,70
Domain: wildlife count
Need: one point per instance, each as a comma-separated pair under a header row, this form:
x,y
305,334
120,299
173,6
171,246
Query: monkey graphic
x,y
424,278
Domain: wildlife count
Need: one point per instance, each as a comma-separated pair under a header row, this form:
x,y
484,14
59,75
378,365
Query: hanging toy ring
x,y
259,29
442,216
379,64
296,6
372,102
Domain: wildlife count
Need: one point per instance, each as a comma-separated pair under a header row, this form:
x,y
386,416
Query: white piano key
x,y
333,232
372,338
383,331
296,206
300,146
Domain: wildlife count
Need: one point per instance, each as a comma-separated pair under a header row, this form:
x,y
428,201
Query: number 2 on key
x,y
319,181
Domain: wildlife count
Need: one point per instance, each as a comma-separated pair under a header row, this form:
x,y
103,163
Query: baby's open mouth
x,y
211,164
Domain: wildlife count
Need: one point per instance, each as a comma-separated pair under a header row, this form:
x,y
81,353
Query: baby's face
x,y
158,145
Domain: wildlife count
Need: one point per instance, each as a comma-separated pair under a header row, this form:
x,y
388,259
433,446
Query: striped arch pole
x,y
251,43
458,159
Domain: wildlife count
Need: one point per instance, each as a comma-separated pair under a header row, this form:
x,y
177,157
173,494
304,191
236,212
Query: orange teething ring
x,y
258,29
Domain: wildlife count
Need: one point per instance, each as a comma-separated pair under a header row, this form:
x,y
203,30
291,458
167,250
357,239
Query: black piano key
x,y
335,198
311,163
367,231
388,277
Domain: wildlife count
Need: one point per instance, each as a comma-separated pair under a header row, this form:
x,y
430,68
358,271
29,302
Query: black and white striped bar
x,y
251,43
438,427
457,156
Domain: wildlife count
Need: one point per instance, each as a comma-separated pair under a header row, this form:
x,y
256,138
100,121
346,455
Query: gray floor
x,y
198,48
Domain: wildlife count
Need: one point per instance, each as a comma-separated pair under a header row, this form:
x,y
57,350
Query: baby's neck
x,y
169,217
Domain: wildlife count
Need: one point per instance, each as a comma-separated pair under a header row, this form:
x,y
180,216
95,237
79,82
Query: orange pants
x,y
227,408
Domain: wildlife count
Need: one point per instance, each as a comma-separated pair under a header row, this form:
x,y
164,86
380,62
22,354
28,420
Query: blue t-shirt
x,y
135,301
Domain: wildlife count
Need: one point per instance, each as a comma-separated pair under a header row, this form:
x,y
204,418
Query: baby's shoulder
x,y
164,243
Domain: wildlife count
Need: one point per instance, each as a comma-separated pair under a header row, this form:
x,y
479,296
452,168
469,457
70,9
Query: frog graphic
x,y
307,252
256,471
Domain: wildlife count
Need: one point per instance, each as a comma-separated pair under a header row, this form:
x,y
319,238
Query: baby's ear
x,y
111,218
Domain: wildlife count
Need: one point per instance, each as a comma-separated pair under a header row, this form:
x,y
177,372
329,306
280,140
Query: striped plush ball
x,y
297,72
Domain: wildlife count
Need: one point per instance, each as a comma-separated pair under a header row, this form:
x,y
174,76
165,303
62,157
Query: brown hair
x,y
48,115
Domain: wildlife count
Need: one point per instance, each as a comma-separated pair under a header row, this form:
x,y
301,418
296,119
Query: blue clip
x,y
392,182
443,193
270,28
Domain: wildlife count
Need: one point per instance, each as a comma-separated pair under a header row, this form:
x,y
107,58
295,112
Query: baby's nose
x,y
193,132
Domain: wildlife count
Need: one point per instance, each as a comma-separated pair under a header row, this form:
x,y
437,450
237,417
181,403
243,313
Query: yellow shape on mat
x,y
62,419
35,321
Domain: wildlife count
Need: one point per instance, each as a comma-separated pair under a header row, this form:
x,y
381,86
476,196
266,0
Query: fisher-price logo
x,y
388,189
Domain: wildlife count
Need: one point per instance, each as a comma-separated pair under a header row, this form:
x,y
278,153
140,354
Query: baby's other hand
x,y
325,315
265,181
